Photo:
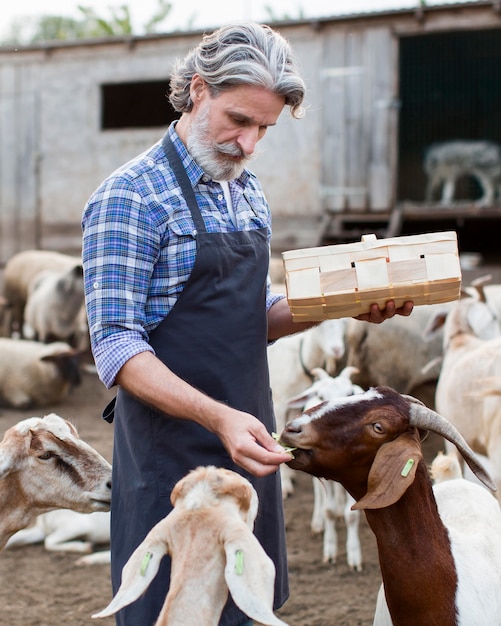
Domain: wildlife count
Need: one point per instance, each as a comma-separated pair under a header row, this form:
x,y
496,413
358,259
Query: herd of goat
x,y
353,400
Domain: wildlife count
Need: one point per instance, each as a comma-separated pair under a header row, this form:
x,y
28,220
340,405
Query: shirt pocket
x,y
183,228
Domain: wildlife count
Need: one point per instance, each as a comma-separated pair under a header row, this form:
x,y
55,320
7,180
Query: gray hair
x,y
240,54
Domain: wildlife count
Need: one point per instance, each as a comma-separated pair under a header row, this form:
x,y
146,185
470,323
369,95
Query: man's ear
x,y
197,88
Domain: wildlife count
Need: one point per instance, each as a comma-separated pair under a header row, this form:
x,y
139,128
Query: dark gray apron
x,y
215,338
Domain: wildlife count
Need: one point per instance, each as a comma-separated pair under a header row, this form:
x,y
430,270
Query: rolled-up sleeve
x,y
120,246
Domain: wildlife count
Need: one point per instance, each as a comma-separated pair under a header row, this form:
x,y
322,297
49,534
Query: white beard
x,y
211,156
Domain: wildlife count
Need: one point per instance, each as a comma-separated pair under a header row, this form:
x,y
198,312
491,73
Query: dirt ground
x,y
38,588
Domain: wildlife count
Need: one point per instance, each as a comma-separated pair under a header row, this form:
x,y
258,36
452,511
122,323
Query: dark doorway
x,y
450,88
136,105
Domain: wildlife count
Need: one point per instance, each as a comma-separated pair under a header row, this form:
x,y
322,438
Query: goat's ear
x,y
298,402
6,463
250,575
392,472
140,569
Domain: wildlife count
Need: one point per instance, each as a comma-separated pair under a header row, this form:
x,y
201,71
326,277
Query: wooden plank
x,y
382,69
356,145
8,148
333,166
460,210
18,184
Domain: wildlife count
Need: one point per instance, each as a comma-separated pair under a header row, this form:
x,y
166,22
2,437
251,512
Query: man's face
x,y
224,130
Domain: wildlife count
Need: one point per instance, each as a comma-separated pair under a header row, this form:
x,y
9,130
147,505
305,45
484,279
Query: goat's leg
x,y
331,511
317,518
61,541
26,536
286,480
353,547
487,185
431,187
448,190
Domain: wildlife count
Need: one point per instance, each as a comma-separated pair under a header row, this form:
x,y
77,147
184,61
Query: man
x,y
176,255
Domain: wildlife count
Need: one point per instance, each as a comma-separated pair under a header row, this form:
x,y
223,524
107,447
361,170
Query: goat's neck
x,y
311,352
15,514
197,592
415,557
460,342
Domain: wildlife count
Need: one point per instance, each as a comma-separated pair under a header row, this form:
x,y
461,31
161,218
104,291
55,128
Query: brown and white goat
x,y
435,570
45,465
209,537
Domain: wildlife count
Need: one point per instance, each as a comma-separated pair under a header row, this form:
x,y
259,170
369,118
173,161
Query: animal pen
x,y
382,86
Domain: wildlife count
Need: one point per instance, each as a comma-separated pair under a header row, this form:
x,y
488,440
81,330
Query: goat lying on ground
x,y
439,565
209,537
64,530
34,374
330,499
45,465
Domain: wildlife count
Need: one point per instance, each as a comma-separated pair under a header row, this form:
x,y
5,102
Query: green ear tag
x,y
144,563
239,562
407,468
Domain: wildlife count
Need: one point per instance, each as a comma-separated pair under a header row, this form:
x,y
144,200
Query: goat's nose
x,y
108,484
293,427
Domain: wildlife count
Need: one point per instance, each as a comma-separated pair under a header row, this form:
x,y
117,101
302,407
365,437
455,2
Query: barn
x,y
382,86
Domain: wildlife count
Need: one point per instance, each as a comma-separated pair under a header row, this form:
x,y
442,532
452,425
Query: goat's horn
x,y
423,417
479,283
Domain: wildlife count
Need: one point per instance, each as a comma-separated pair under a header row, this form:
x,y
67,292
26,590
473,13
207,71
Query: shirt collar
x,y
194,171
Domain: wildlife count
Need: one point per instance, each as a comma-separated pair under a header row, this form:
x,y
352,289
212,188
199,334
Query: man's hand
x,y
377,315
250,445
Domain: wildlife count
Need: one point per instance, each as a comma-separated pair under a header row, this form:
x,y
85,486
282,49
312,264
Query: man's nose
x,y
248,139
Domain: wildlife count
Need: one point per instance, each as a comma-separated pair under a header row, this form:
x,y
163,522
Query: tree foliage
x,y
274,17
117,22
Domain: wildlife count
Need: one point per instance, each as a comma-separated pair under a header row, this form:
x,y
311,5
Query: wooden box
x,y
344,280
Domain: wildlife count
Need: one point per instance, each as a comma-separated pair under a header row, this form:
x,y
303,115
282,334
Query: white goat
x,y
209,537
34,374
445,163
445,467
45,465
330,499
20,271
381,351
439,548
64,530
472,354
291,360
53,310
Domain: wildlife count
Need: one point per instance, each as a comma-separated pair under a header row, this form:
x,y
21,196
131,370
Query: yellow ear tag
x,y
144,563
239,562
407,468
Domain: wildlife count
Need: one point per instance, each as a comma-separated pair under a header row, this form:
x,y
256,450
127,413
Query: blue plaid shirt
x,y
139,247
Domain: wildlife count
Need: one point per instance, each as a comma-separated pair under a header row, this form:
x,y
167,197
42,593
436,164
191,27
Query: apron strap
x,y
184,182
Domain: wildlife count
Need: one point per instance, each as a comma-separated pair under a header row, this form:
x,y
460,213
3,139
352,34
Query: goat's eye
x,y
45,456
378,428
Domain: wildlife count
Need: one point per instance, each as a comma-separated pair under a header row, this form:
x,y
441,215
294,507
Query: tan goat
x,y
209,537
45,465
